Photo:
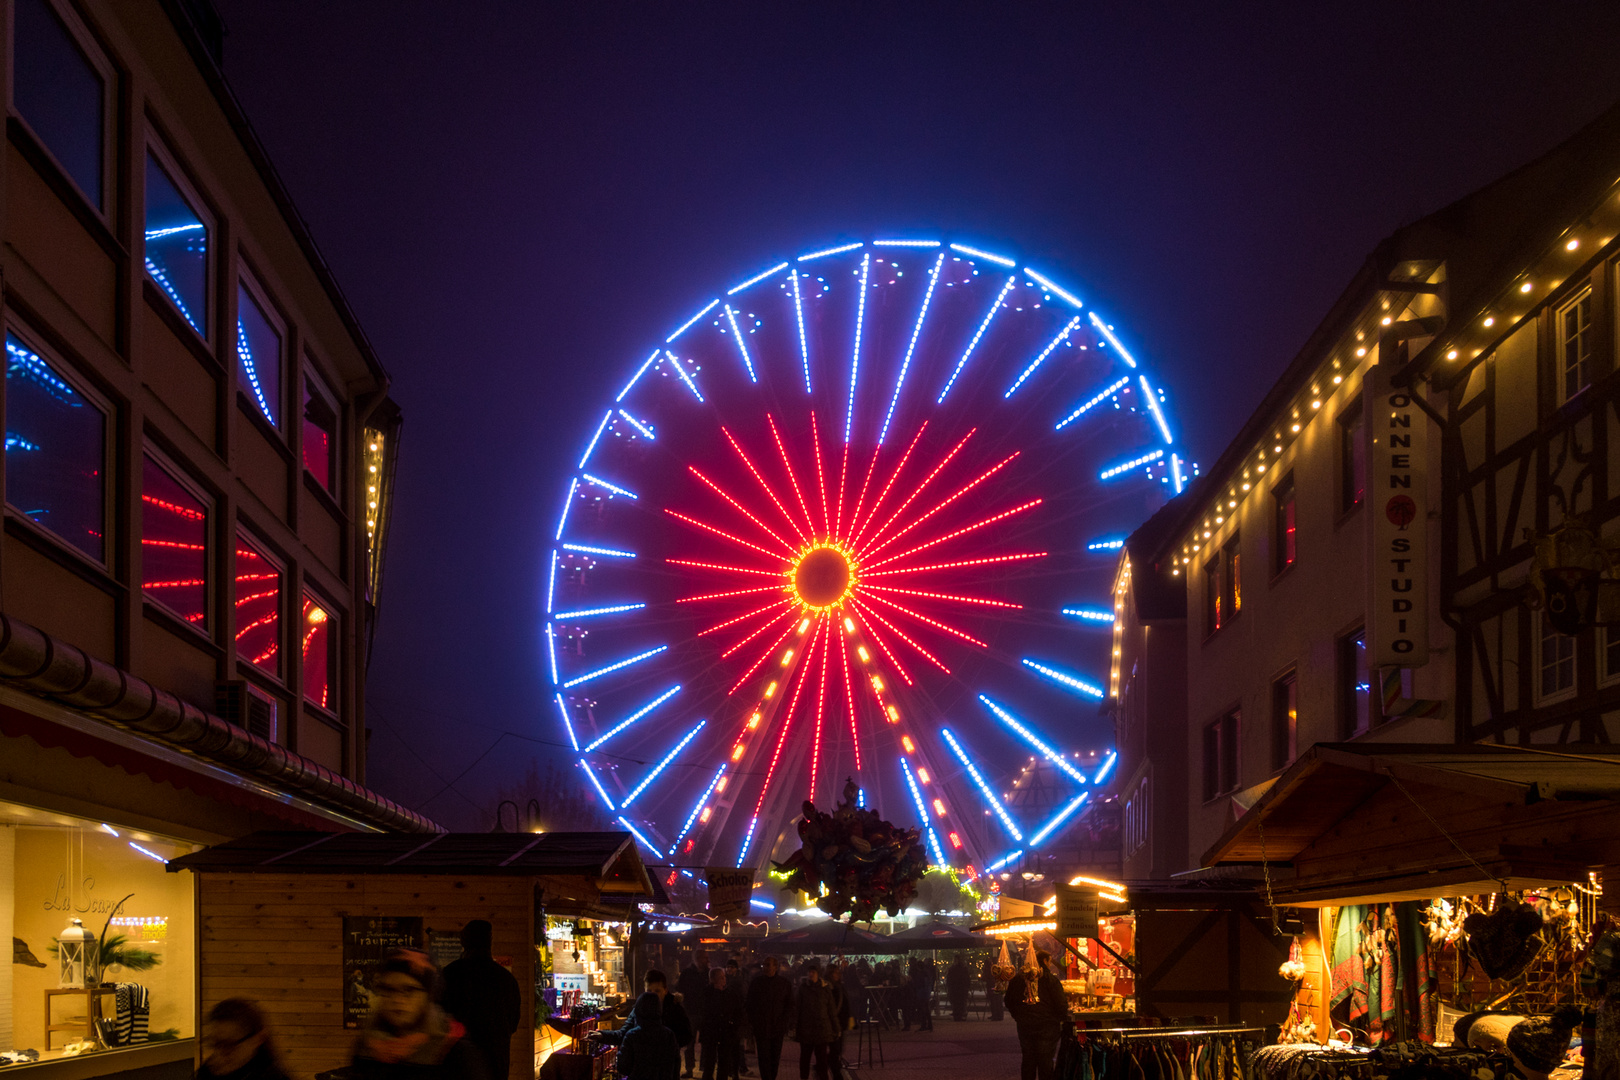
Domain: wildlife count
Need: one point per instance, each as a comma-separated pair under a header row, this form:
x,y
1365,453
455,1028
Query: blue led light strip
x,y
685,378
1105,545
648,844
984,788
597,784
632,718
916,332
642,370
1034,740
636,659
1107,767
1063,335
1127,466
585,613
1064,679
1053,287
156,234
906,243
1004,860
1088,614
551,653
828,251
573,486
922,808
244,351
1113,388
747,839
995,306
567,722
697,807
855,362
756,279
586,456
1057,819
1153,406
731,317
646,432
977,254
168,287
687,325
615,488
1175,473
804,347
610,553
1102,328
669,757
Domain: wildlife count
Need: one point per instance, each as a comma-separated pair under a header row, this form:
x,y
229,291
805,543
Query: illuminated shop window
x,y
319,629
60,93
258,609
176,246
1555,667
258,348
174,545
1575,346
56,447
56,868
320,433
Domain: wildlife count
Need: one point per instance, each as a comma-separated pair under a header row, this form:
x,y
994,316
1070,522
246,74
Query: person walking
x,y
925,991
483,995
649,1049
991,993
407,1036
737,981
1039,1016
815,1022
236,1044
720,1027
769,1004
956,987
845,1018
671,1012
693,979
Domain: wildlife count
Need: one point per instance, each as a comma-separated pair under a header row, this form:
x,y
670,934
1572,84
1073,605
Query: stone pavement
x,y
965,1050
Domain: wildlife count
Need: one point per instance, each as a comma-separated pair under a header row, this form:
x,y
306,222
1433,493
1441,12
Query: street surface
x,y
965,1050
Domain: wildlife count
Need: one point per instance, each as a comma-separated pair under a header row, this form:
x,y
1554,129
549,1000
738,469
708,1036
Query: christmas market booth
x,y
298,920
1420,887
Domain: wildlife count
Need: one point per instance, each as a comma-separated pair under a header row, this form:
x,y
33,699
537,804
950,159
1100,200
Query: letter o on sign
x,y
1401,645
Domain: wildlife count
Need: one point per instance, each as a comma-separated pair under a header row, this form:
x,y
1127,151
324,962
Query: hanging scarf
x,y
425,1046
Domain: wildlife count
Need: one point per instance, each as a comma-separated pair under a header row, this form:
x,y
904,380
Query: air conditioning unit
x,y
241,703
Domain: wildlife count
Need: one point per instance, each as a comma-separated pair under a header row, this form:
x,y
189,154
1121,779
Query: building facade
x,y
198,461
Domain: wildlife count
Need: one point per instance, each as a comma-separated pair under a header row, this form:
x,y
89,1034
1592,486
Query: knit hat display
x,y
1542,1041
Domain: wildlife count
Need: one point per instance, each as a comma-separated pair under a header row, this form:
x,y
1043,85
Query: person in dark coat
x,y
736,980
770,1014
236,1044
649,1049
671,1011
835,1049
1040,1022
407,1036
956,987
720,1027
816,1022
483,995
690,985
925,992
988,973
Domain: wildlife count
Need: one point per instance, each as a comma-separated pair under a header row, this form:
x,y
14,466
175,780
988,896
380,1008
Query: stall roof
x,y
608,858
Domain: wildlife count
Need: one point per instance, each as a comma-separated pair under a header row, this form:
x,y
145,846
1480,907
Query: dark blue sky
x,y
518,197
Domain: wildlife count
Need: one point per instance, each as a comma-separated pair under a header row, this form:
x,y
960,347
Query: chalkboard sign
x,y
366,940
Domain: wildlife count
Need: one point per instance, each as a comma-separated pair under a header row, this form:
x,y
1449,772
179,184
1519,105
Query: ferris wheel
x,y
854,520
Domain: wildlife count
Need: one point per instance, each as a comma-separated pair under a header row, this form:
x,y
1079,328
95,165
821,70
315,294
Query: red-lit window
x,y
174,545
320,433
258,609
318,628
1287,523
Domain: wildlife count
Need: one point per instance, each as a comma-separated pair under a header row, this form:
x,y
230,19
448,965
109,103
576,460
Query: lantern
x,y
73,947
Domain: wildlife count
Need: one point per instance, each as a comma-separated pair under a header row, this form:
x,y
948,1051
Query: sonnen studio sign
x,y
1398,501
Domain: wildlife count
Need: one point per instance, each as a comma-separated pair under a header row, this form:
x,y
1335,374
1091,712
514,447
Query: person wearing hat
x,y
407,1036
1038,1006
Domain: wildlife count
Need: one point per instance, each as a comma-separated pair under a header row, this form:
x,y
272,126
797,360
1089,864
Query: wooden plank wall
x,y
277,938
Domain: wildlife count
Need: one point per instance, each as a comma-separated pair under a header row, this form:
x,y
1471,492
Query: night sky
x,y
519,198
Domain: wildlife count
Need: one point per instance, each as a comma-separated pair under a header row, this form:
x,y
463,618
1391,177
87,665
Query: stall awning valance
x,y
1358,822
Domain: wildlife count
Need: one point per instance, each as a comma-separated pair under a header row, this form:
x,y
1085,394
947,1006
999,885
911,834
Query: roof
x,y
1156,594
608,858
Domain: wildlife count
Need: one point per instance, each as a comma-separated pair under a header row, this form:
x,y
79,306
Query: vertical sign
x,y
366,940
1397,447
1076,912
729,892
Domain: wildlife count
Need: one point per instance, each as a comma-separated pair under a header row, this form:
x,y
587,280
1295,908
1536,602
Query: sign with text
x,y
1076,912
1397,496
366,940
729,891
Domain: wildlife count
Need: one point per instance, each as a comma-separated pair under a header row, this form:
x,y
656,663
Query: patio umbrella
x,y
832,935
940,935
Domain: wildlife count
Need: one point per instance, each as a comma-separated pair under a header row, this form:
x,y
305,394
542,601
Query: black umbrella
x,y
832,935
940,935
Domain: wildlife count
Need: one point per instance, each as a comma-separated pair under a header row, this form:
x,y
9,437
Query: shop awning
x,y
939,935
1363,822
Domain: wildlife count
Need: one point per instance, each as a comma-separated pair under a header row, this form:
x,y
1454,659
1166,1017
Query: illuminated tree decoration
x,y
850,501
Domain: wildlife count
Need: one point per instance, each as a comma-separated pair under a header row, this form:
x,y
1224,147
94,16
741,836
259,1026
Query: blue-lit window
x,y
176,246
1356,708
258,349
56,447
61,94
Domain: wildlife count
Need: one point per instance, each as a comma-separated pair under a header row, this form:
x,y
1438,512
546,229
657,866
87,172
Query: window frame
x,y
247,280
246,536
1285,486
1542,627
1344,691
1227,749
110,415
1347,452
1284,748
169,162
90,46
182,476
1561,392
315,384
1607,676
334,668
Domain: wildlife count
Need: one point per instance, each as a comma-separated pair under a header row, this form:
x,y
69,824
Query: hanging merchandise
x,y
1032,973
1504,941
1003,969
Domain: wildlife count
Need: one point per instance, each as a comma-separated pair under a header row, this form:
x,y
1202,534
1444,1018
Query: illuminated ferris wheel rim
x,y
824,569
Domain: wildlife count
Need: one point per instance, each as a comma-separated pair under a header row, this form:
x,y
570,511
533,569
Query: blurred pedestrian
x,y
671,1013
483,995
992,992
236,1044
844,1017
720,1027
770,1014
816,1022
690,984
407,1036
735,980
1039,1017
956,987
649,1049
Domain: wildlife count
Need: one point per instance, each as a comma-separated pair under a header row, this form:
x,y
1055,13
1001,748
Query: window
x,y
320,654
320,433
1355,683
1223,586
258,608
1136,819
1610,655
1284,510
56,451
1352,460
174,545
1233,579
61,95
1221,755
176,246
1555,664
1285,720
1575,346
258,347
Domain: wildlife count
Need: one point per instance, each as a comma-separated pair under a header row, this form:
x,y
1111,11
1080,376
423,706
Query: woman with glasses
x,y
407,1036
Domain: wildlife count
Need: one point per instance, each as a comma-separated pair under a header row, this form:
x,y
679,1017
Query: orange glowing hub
x,y
822,576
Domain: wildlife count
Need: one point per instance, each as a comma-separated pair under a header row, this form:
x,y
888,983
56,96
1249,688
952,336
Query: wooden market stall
x,y
294,920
